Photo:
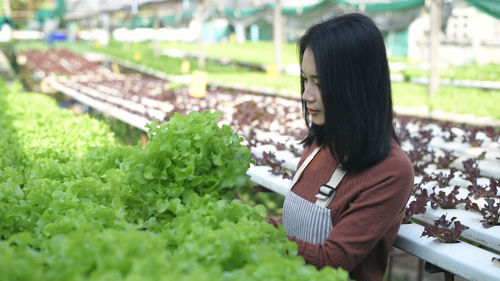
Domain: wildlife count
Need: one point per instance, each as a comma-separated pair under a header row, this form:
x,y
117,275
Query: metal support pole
x,y
201,18
277,35
420,270
156,26
448,276
6,8
436,6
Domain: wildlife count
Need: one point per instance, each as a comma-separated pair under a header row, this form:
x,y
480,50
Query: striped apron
x,y
308,221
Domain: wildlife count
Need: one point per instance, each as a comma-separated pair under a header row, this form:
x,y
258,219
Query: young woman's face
x,y
312,94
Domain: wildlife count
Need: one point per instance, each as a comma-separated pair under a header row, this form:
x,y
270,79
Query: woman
x,y
353,180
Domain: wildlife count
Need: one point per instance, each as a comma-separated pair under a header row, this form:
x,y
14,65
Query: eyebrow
x,y
312,76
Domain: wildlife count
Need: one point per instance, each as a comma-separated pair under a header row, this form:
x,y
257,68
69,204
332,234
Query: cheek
x,y
320,100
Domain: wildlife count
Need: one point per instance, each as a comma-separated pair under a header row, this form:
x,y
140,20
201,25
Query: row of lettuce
x,y
74,205
466,100
253,53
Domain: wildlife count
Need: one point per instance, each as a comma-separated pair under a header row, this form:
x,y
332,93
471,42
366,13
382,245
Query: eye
x,y
304,78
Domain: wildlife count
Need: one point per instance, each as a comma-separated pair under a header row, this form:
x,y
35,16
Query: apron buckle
x,y
326,190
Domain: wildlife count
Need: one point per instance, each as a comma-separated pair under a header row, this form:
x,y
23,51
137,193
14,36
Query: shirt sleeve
x,y
362,225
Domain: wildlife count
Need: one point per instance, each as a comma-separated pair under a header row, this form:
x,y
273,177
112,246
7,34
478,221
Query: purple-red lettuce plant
x,y
269,159
417,206
471,170
444,162
444,231
478,191
489,211
447,201
442,179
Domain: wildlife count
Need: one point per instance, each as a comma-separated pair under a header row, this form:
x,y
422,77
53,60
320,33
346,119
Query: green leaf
x,y
161,205
149,172
216,159
261,210
22,239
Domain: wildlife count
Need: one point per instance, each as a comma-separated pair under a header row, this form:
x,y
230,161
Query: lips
x,y
313,111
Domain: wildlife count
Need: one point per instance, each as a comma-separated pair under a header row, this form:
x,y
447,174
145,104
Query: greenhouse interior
x,y
183,140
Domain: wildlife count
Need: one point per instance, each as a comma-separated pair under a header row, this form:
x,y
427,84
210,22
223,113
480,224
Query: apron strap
x,y
303,166
327,191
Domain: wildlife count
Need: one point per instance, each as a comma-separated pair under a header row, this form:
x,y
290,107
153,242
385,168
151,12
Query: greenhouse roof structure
x,y
83,8
240,9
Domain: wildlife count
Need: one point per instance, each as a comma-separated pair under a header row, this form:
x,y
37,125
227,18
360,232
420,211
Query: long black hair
x,y
351,64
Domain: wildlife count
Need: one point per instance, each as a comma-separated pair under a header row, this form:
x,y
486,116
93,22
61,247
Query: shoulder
x,y
394,171
307,151
397,162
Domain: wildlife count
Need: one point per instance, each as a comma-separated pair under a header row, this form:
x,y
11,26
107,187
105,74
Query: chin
x,y
318,122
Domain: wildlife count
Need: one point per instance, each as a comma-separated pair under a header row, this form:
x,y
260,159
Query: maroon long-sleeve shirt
x,y
366,212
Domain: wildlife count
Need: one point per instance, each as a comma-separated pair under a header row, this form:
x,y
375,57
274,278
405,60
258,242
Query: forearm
x,y
320,255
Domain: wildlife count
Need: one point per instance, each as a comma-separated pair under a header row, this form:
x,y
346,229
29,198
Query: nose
x,y
308,94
